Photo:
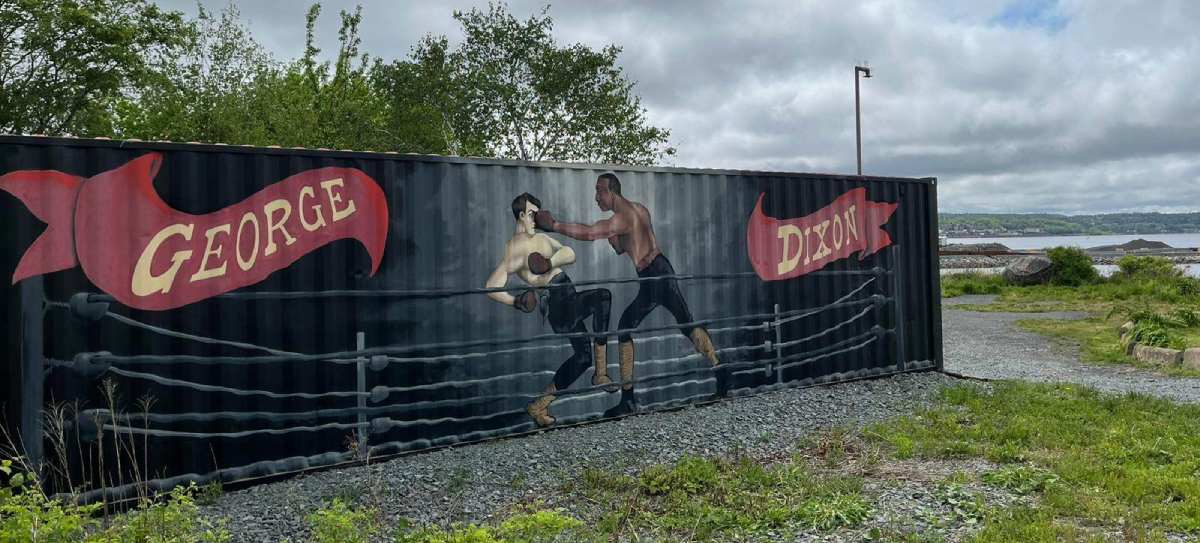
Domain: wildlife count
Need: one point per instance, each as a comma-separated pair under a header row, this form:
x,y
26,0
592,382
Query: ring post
x,y
778,350
361,344
898,308
32,371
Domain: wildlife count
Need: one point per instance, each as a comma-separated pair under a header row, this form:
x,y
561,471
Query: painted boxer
x,y
630,232
565,308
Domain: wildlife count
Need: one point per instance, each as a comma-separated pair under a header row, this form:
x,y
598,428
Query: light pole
x,y
866,71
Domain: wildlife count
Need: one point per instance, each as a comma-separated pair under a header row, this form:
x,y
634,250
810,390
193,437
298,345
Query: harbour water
x,y
1045,242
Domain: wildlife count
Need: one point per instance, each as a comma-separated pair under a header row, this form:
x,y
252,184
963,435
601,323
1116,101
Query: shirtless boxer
x,y
525,257
629,232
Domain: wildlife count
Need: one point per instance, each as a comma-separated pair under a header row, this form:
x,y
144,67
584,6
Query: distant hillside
x,y
1010,224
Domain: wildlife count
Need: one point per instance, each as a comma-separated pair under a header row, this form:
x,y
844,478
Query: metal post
x,y
778,349
898,308
32,369
857,123
361,344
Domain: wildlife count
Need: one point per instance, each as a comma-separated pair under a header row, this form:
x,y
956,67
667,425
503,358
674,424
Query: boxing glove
x,y
538,264
526,301
544,220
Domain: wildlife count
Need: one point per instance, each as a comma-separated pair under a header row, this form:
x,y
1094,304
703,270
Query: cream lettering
x,y
144,281
786,233
822,249
338,214
310,226
205,272
273,225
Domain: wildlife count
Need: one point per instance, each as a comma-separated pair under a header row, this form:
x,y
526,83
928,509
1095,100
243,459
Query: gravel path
x,y
478,482
991,346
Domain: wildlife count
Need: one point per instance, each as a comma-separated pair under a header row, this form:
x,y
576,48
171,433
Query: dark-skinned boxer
x,y
565,308
630,232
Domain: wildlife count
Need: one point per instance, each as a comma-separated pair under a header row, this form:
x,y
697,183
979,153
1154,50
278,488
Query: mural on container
x,y
164,258
478,301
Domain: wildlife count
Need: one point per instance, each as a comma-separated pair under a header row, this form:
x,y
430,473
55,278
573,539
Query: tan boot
x,y
625,355
600,374
704,345
539,408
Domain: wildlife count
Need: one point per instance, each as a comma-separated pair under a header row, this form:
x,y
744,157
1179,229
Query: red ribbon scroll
x,y
147,255
787,248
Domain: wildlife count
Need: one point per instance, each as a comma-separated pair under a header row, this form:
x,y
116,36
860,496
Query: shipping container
x,y
237,313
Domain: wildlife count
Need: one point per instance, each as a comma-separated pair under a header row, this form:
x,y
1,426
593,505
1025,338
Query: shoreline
x,y
967,262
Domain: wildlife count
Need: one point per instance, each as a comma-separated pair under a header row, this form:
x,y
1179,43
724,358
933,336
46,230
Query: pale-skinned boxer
x,y
525,255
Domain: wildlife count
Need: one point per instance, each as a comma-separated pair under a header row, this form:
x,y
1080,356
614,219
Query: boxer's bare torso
x,y
635,235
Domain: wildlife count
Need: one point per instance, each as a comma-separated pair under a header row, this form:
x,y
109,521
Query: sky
x,y
1069,106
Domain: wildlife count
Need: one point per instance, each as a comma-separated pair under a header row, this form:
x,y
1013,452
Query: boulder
x,y
1028,270
1158,355
1191,359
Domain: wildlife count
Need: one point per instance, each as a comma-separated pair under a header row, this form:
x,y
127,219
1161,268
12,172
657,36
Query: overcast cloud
x,y
1072,106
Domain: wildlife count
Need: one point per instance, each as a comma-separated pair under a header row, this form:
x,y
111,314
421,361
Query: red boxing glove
x,y
526,301
544,220
539,264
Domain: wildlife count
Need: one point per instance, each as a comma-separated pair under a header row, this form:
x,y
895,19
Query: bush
x,y
971,283
339,523
1071,267
1147,266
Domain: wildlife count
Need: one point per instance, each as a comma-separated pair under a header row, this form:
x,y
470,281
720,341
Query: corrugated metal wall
x,y
447,363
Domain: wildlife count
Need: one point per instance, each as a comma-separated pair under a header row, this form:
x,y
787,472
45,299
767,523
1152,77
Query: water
x,y
1045,242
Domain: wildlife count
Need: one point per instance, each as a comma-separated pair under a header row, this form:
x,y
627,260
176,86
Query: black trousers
x,y
651,294
568,309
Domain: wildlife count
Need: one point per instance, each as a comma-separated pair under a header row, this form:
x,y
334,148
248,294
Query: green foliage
x,y
64,62
508,90
1120,460
1071,266
340,523
1114,223
173,519
827,513
1020,479
533,527
1130,266
26,514
959,284
1151,334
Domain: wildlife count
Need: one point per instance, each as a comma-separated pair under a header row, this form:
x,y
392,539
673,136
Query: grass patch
x,y
703,499
1130,461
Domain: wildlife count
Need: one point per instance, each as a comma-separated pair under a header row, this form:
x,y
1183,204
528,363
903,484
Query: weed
x,y
340,523
1020,479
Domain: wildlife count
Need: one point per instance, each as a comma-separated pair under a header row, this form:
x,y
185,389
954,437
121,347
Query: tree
x,y
63,62
202,90
510,91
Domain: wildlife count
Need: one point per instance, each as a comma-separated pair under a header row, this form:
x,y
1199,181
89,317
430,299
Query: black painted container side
x,y
290,309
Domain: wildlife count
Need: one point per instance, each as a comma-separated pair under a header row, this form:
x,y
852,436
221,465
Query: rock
x,y
1158,355
1191,359
1134,245
1028,270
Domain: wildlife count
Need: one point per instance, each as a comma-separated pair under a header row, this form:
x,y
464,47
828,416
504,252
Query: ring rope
x,y
444,293
827,331
395,349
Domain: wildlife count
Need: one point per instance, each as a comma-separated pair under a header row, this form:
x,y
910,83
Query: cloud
x,y
1029,105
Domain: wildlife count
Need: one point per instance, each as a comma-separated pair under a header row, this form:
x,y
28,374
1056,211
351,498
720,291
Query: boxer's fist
x,y
526,301
544,220
538,264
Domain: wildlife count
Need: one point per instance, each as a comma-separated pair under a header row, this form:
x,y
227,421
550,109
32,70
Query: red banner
x,y
787,248
147,255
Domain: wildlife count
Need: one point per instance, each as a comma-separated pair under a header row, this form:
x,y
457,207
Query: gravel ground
x,y
477,482
991,346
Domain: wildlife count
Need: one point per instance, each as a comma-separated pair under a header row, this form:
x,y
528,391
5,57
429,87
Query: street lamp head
x,y
866,70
